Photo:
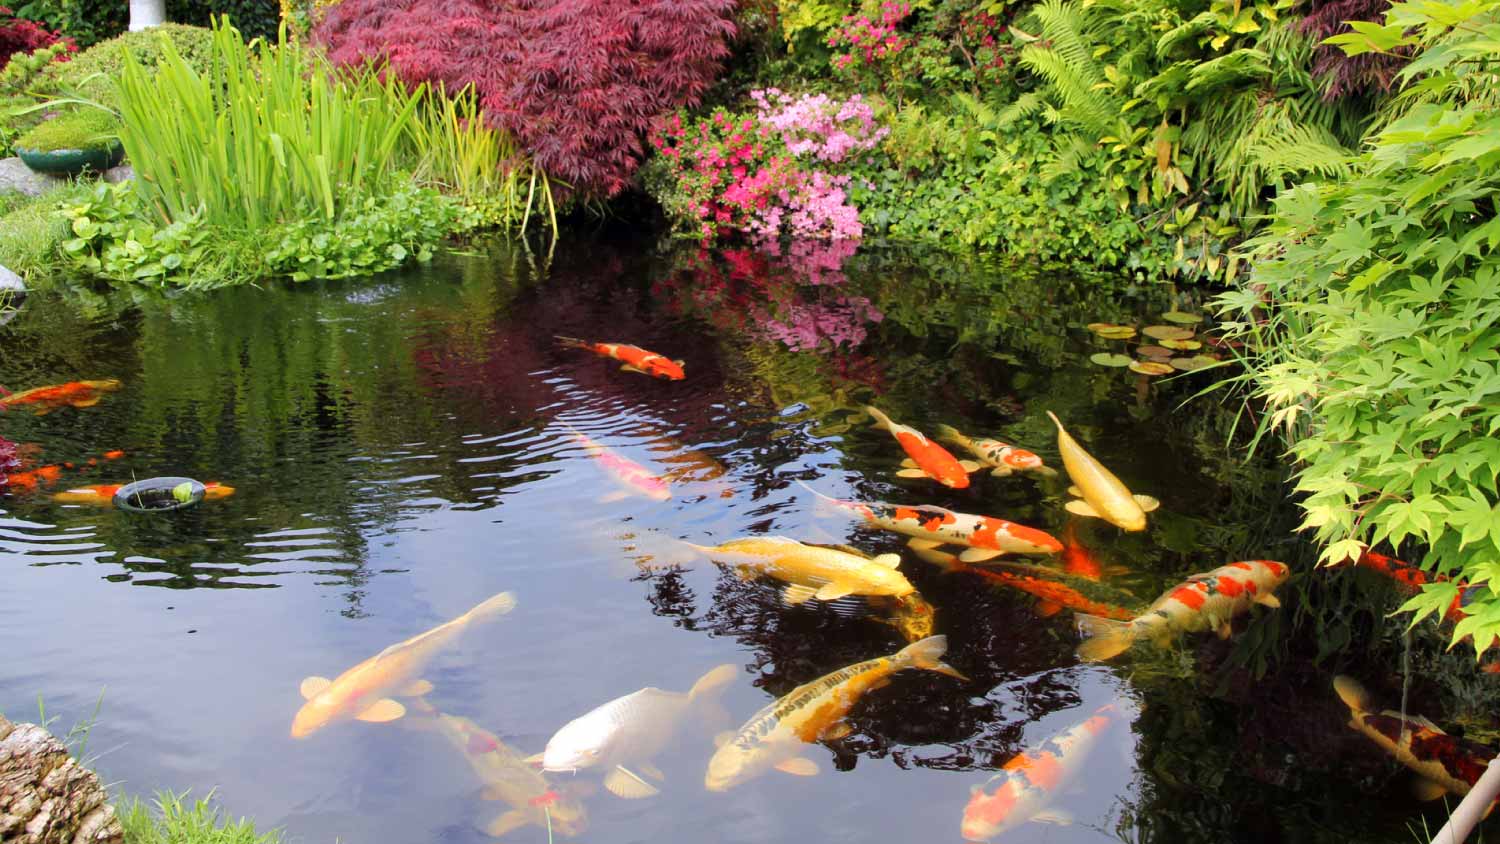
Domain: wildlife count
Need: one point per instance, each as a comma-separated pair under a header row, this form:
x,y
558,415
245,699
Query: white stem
x,y
1472,808
147,13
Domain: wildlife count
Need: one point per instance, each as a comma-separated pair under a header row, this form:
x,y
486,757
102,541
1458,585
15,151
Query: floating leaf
x,y
1194,362
1183,345
1107,359
1110,331
1167,332
1154,352
1149,367
1181,318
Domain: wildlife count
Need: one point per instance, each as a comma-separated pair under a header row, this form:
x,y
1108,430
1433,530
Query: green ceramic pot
x,y
71,162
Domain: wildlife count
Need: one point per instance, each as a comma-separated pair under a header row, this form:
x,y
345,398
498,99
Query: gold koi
x,y
812,571
1101,495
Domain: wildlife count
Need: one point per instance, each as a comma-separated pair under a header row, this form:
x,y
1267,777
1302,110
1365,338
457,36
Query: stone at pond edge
x,y
115,175
16,176
10,283
46,797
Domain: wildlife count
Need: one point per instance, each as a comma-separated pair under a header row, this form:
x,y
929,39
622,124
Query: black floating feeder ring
x,y
155,495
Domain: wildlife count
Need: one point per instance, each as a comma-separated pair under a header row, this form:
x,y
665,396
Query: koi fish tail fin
x,y
1352,693
948,433
713,684
881,420
493,607
1055,420
1104,637
572,342
927,654
824,504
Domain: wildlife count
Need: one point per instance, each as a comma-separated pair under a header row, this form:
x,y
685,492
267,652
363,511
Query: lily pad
x,y
1107,359
1194,362
1153,352
1182,345
1167,332
1110,331
1181,318
1150,367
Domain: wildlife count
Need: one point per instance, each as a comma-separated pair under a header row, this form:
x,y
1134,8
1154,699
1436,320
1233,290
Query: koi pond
x,y
377,459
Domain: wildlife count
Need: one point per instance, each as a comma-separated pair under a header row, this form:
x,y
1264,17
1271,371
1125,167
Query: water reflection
x,y
402,448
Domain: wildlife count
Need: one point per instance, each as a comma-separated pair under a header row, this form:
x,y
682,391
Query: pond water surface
x,y
402,448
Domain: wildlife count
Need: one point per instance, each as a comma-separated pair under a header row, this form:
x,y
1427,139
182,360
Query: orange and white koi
x,y
633,358
44,400
812,712
1207,601
1101,495
813,571
362,691
632,476
1025,787
1052,596
1444,763
1002,458
104,494
925,458
983,537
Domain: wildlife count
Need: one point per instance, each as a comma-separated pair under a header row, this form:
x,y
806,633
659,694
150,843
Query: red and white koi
x,y
1002,458
632,358
632,476
983,537
926,459
1207,601
1444,763
1025,787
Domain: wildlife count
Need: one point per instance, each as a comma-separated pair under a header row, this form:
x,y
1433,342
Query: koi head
x,y
213,490
731,765
317,713
1041,541
579,744
1022,460
666,370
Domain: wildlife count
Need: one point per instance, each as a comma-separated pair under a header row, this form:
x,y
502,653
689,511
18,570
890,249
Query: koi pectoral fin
x,y
833,591
970,465
798,766
1269,600
911,473
312,686
628,368
909,463
890,561
627,785
1425,789
1079,507
796,595
652,771
1001,471
1057,816
978,555
922,544
1045,471
416,689
1147,503
1075,491
381,711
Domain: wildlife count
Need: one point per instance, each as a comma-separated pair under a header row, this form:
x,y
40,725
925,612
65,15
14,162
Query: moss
x,y
33,230
93,71
84,128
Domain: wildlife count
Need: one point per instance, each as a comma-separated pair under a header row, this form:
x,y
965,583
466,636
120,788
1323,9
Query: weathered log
x,y
46,797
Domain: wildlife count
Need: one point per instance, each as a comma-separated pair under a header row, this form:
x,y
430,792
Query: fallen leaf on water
x,y
1181,318
1184,345
1150,367
1167,332
1107,359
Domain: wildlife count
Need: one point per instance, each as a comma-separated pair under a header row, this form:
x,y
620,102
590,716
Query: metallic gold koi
x,y
507,777
1002,458
632,476
1207,601
1026,786
44,400
813,712
1445,764
361,692
813,571
984,537
634,358
927,459
1103,495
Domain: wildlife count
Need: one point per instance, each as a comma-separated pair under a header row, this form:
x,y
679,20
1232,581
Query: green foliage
x,y
175,822
372,235
258,139
84,128
1373,321
112,239
90,22
22,71
91,73
32,232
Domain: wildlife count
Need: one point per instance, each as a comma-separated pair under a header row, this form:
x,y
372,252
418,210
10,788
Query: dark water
x,y
400,451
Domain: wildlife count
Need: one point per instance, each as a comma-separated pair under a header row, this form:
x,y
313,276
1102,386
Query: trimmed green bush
x,y
84,128
92,72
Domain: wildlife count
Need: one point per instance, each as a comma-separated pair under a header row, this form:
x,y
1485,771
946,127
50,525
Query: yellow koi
x,y
813,712
1102,494
813,571
362,692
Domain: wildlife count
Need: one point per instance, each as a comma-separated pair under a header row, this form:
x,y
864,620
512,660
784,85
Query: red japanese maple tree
x,y
577,82
19,35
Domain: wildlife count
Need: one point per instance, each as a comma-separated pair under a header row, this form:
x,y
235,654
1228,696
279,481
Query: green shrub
x,y
90,22
1372,321
112,239
84,128
92,72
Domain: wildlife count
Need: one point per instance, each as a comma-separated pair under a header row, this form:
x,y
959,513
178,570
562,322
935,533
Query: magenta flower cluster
x,y
829,130
867,40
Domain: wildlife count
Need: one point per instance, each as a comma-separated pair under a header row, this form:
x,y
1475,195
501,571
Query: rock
x,y
115,175
16,176
10,283
46,797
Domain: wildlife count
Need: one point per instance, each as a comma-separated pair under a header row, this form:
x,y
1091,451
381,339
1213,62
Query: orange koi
x,y
1026,786
44,400
632,476
1051,595
926,459
634,358
1207,601
1444,763
104,494
984,537
1410,578
1002,458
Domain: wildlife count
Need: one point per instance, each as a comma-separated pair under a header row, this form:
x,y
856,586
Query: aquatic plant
x,y
1369,321
174,821
577,82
